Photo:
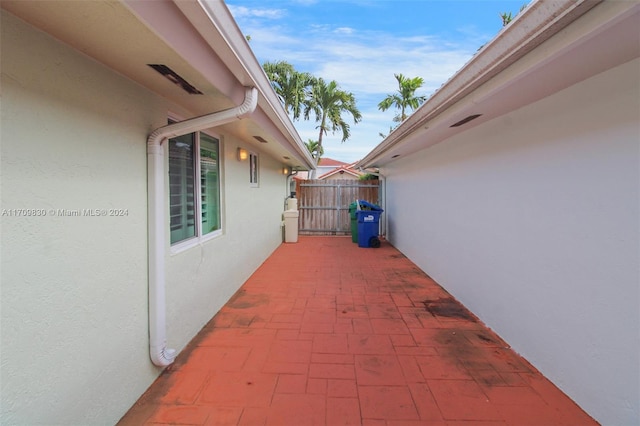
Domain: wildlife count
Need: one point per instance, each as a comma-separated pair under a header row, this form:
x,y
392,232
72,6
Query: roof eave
x,y
244,65
534,25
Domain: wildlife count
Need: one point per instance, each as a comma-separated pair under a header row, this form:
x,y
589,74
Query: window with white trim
x,y
194,186
254,168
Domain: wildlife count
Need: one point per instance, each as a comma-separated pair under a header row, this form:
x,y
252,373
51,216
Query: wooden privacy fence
x,y
324,204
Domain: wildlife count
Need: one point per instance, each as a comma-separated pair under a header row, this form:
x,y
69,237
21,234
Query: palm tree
x,y
507,17
315,150
291,86
328,102
405,97
382,135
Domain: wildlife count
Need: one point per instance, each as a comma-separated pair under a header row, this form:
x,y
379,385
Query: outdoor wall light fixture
x,y
285,170
242,154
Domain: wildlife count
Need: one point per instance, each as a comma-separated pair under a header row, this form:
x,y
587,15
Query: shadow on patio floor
x,y
326,333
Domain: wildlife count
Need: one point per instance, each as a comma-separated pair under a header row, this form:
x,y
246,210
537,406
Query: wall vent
x,y
260,139
173,77
466,120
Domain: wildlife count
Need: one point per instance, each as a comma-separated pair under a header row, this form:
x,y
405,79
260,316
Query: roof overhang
x,y
548,47
198,40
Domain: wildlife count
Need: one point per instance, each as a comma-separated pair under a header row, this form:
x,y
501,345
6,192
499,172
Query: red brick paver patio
x,y
326,333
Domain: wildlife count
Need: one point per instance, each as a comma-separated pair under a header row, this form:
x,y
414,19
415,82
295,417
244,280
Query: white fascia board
x,y
213,20
531,27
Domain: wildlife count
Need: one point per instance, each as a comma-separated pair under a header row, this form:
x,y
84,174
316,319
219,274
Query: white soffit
x,y
127,37
112,35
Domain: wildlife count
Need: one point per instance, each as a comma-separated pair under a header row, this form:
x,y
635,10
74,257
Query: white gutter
x,y
160,354
216,25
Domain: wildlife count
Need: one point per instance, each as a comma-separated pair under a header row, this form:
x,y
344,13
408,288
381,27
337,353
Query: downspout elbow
x,y
159,353
161,356
215,119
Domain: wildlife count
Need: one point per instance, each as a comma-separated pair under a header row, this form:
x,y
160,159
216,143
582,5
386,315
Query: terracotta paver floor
x,y
326,333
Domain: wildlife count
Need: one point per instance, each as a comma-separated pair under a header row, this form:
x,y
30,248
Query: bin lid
x,y
290,213
368,205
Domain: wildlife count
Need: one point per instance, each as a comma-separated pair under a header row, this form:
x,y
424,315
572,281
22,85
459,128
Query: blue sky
x,y
361,44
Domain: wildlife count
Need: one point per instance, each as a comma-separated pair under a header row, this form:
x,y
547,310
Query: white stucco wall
x,y
74,319
201,279
532,221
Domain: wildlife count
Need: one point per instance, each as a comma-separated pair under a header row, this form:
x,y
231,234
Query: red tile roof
x,y
330,162
342,169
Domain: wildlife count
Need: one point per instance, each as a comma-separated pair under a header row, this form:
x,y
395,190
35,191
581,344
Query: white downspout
x,y
160,354
289,179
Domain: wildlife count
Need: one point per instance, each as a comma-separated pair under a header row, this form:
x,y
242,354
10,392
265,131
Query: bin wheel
x,y
374,242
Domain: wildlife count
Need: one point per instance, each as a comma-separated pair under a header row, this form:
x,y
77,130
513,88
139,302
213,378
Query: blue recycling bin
x,y
368,225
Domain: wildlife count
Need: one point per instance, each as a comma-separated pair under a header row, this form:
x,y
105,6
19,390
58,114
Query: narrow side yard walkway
x,y
326,333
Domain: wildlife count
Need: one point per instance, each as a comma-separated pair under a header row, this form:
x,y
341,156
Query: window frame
x,y
184,179
199,237
215,232
254,158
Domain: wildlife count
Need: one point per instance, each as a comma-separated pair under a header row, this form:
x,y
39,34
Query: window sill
x,y
194,242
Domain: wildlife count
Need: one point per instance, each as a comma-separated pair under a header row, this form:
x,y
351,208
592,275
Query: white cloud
x,y
240,12
344,30
362,62
366,66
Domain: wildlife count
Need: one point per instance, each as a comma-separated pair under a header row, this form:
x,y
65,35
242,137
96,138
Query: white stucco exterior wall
x,y
74,319
201,279
74,292
532,221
